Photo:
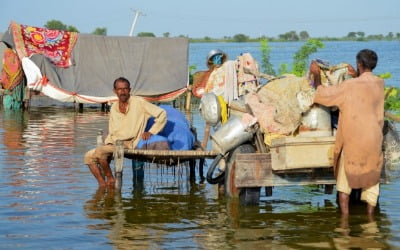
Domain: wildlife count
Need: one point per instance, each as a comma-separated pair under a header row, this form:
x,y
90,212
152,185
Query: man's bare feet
x,y
370,210
344,203
110,182
97,174
102,183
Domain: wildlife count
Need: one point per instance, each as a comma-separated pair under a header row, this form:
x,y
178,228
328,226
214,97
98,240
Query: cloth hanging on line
x,y
56,45
11,74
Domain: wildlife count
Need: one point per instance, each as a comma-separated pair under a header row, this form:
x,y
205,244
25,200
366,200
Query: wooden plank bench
x,y
165,157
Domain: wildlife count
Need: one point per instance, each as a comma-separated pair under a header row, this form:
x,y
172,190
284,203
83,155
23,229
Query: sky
x,y
211,18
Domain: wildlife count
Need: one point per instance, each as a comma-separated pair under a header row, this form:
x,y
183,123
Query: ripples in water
x,y
50,200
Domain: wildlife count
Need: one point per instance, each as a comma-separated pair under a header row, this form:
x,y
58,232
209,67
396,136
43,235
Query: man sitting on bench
x,y
128,120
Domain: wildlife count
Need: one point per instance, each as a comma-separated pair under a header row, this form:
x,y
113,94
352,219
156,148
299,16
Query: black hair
x,y
121,79
367,58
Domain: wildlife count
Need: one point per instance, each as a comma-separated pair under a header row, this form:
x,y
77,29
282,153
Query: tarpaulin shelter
x,y
156,67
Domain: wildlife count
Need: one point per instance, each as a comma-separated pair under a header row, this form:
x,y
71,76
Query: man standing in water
x,y
128,120
358,154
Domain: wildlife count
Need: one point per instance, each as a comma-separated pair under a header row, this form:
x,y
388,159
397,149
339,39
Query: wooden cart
x,y
289,161
297,161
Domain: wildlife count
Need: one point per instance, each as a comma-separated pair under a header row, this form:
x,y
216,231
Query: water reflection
x,y
360,233
193,220
49,198
149,220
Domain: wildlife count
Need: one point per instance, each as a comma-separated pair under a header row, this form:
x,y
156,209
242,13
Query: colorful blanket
x,y
56,45
11,74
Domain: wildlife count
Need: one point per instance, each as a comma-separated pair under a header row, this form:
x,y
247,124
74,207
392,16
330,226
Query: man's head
x,y
366,60
122,89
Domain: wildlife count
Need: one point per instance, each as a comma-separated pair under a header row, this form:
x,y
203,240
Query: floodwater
x,y
49,199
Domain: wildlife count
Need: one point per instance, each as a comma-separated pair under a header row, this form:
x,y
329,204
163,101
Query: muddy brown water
x,y
50,200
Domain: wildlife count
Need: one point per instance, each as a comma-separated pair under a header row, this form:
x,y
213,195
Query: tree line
x,y
288,36
58,25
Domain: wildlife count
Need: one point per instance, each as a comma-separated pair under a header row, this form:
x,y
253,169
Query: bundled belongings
x,y
227,78
284,107
279,98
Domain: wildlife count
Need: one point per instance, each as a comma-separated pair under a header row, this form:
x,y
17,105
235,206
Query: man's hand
x,y
146,135
315,72
351,71
314,68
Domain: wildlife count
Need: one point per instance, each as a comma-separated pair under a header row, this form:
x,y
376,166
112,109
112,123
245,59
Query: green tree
x,y
360,34
390,36
192,68
58,25
240,38
304,35
265,57
351,35
100,31
289,36
146,34
166,34
283,69
55,25
72,28
375,37
301,56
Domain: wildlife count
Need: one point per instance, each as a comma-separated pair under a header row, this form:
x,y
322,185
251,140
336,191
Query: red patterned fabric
x,y
11,74
57,45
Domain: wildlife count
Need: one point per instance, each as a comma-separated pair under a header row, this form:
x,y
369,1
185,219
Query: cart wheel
x,y
246,196
219,178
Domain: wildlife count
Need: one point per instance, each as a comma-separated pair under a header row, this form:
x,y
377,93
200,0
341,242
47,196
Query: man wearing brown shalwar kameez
x,y
358,154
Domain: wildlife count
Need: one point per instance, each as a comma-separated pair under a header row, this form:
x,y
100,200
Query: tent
x,y
156,67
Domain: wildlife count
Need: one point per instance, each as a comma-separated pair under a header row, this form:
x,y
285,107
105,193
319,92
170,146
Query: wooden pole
x,y
188,100
99,142
206,135
99,139
119,163
392,117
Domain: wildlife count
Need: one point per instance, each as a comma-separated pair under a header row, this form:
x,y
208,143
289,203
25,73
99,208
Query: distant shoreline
x,y
323,39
